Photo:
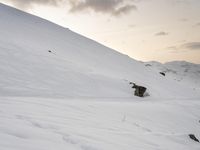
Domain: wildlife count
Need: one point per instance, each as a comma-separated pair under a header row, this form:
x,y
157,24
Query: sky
x,y
146,30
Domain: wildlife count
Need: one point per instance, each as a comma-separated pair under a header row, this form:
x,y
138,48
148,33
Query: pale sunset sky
x,y
146,30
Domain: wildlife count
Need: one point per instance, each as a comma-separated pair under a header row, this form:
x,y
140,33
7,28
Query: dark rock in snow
x,y
192,136
49,51
139,90
162,73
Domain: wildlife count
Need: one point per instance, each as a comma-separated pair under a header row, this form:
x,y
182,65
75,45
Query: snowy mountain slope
x,y
77,66
185,73
78,97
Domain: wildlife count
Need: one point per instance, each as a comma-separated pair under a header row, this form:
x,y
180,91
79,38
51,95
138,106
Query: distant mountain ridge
x,y
180,71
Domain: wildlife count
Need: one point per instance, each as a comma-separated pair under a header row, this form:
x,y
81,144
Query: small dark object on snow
x,y
162,73
192,136
148,65
139,90
49,51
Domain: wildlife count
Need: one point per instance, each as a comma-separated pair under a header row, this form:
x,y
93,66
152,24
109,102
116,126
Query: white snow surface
x,y
78,97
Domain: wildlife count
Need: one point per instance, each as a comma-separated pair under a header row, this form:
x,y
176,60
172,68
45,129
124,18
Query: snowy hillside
x,y
77,66
60,90
187,74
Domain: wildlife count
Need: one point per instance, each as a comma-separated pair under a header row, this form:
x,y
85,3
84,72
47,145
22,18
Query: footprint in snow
x,y
143,128
16,134
87,147
71,140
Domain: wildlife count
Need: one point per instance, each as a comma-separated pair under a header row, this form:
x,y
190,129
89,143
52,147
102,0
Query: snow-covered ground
x,y
60,90
98,124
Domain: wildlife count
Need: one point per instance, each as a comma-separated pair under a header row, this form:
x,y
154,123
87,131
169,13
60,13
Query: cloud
x,y
186,47
124,9
132,26
162,33
28,3
113,7
198,24
191,46
184,19
172,48
180,2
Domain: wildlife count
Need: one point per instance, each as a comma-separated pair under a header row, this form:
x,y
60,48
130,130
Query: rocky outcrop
x,y
162,73
192,136
139,90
